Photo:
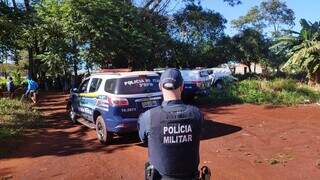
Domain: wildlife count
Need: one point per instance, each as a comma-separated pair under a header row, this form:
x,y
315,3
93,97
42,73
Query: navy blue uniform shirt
x,y
172,132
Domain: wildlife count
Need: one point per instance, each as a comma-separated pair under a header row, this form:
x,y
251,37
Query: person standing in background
x,y
10,87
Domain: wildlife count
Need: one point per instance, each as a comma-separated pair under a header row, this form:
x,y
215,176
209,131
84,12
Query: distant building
x,y
244,69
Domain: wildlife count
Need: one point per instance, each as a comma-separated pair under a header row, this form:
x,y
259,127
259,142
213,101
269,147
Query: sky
x,y
308,9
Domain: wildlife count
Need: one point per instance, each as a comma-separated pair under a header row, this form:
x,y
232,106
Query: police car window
x,y
110,85
83,86
204,73
133,85
95,84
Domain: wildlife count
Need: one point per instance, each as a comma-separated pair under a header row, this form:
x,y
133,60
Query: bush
x,y
17,80
277,92
16,117
298,76
247,76
281,84
3,84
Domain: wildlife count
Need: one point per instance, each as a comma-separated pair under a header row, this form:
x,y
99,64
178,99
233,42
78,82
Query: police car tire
x,y
103,135
219,85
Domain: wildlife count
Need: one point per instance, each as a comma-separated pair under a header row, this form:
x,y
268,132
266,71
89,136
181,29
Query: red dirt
x,y
240,142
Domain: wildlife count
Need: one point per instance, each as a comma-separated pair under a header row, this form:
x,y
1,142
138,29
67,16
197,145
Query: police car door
x,y
83,89
91,97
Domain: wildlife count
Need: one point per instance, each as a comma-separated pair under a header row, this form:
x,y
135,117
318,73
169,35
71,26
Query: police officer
x,y
172,132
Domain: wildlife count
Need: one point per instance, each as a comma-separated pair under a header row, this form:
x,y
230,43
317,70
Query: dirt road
x,y
240,142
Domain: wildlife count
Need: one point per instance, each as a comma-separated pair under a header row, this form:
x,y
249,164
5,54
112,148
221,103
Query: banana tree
x,y
302,49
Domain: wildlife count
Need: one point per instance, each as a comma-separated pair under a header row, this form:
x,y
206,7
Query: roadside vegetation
x,y
15,118
18,80
274,92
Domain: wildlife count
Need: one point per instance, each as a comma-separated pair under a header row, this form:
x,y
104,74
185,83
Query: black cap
x,y
171,79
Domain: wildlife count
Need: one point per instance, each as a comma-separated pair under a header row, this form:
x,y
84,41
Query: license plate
x,y
147,104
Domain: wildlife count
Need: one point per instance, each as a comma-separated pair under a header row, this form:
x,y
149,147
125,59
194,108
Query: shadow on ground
x,y
212,129
60,137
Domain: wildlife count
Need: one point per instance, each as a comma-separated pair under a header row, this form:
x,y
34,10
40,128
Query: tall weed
x,y
277,92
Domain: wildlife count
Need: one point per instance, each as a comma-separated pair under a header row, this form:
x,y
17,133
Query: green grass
x,y
15,117
275,92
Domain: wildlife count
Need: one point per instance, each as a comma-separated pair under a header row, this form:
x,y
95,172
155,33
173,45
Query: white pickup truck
x,y
196,83
219,75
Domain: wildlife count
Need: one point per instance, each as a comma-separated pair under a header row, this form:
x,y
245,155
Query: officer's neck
x,y
171,95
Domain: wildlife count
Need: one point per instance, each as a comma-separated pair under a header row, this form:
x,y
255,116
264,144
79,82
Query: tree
x,y
274,13
303,49
55,38
115,32
58,35
253,19
219,53
194,25
159,6
249,46
10,24
197,30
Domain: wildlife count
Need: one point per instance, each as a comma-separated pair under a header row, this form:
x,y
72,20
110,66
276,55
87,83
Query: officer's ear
x,y
181,88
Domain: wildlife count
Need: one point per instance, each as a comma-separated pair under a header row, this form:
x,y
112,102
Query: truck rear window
x,y
204,73
133,85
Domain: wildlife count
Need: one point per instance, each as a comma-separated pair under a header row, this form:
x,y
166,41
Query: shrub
x,y
17,78
15,117
247,76
277,92
3,84
282,84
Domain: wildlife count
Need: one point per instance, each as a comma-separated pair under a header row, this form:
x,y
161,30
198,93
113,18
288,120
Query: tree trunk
x,y
15,57
31,63
75,63
75,70
30,49
14,5
314,78
249,67
27,5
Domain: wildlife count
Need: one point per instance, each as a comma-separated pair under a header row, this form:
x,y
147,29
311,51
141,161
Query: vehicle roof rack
x,y
115,70
199,68
159,69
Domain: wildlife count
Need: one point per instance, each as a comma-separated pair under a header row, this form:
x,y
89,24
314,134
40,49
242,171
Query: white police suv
x,y
111,102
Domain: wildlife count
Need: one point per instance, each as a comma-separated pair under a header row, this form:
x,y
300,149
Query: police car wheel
x,y
103,135
219,85
72,115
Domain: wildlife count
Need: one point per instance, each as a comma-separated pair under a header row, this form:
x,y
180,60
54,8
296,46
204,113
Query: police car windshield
x,y
133,85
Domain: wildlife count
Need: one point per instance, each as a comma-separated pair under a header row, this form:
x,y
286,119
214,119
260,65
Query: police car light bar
x,y
115,70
